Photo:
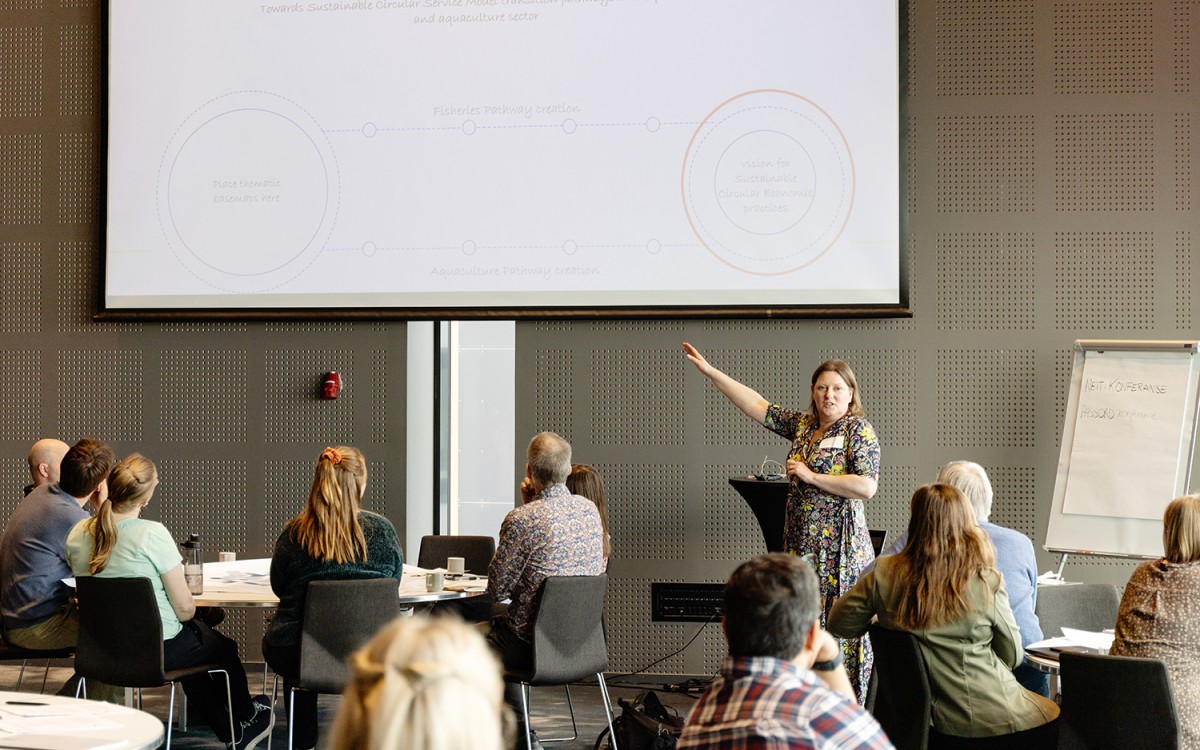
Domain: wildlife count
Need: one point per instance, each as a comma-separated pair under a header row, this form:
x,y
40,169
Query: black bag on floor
x,y
644,724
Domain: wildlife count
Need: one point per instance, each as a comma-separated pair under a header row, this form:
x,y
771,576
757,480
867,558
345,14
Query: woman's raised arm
x,y
745,398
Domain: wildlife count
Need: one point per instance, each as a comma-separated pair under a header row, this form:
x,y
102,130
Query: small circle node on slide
x,y
247,191
768,182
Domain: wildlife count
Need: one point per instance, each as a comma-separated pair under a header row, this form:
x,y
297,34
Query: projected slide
x,y
475,154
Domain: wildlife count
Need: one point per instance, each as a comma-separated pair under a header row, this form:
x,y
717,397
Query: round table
x,y
43,719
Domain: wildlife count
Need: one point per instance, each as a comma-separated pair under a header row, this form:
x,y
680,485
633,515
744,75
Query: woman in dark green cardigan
x,y
332,538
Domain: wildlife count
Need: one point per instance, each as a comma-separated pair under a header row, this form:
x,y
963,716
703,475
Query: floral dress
x,y
827,530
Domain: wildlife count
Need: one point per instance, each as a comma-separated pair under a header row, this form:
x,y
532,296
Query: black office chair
x,y
901,700
1116,701
476,551
568,644
339,617
121,640
1083,606
11,653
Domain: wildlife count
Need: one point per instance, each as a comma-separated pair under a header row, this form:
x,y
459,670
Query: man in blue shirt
x,y
37,608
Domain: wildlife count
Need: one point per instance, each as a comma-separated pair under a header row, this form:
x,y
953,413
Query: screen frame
x,y
901,309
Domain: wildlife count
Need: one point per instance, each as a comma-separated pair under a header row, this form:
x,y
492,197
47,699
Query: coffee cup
x,y
435,581
455,566
226,556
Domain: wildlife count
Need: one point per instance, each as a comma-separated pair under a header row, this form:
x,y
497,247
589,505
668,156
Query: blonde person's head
x,y
424,682
130,486
1181,529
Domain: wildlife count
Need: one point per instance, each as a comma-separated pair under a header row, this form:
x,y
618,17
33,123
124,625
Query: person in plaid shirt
x,y
783,684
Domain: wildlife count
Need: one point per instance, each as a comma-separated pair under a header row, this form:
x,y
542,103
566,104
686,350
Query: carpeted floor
x,y
551,717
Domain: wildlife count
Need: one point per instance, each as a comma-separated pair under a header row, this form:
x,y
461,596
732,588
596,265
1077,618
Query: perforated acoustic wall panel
x,y
230,411
1049,197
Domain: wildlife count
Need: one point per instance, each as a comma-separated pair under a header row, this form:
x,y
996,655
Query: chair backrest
x,y
339,617
901,702
568,630
120,632
1083,606
476,551
1116,701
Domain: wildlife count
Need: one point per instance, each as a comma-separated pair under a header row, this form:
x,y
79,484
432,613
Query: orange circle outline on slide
x,y
683,181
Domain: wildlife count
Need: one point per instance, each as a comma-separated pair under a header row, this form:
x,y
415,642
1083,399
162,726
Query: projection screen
x,y
503,157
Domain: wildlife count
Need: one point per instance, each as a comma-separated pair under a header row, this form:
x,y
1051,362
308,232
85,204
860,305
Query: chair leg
x,y
170,716
525,712
574,729
228,701
291,718
608,714
274,693
81,688
21,675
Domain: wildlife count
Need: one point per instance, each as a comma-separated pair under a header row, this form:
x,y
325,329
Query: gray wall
x,y
1050,198
229,411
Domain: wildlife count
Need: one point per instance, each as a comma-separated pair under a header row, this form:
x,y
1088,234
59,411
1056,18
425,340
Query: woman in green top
x,y
943,587
116,543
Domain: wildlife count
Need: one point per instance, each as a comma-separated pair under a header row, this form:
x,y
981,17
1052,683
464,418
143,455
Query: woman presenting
x,y
834,466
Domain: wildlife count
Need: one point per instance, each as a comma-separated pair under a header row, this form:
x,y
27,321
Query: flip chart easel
x,y
1128,444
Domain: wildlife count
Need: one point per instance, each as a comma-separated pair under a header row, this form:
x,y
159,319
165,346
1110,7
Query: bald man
x,y
45,461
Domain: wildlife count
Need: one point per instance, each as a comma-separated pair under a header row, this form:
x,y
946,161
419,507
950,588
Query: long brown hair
x,y
130,484
946,550
328,527
585,480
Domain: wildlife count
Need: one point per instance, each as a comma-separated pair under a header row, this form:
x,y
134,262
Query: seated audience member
x,y
553,533
783,684
585,481
45,459
332,538
943,588
38,608
1014,559
1159,616
424,682
119,544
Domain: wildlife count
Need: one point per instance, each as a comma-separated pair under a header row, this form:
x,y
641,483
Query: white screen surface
x,y
502,154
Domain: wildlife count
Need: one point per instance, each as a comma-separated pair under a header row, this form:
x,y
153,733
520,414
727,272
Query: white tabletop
x,y
31,721
247,583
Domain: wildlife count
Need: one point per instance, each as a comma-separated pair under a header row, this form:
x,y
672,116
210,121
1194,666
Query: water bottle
x,y
193,564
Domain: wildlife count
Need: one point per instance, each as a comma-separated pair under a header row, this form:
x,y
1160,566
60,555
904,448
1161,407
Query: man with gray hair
x,y
552,533
783,684
1014,559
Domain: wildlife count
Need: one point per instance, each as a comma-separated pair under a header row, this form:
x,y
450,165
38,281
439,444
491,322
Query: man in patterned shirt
x,y
553,533
782,684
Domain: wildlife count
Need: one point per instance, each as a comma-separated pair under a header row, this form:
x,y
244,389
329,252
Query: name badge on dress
x,y
832,442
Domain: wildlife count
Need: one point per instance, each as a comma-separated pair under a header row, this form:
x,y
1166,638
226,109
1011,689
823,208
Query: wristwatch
x,y
832,664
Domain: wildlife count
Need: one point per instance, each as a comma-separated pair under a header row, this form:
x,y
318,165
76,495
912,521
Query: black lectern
x,y
768,500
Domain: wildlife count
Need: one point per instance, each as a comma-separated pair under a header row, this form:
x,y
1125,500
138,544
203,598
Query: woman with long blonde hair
x,y
943,588
427,682
332,537
117,543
